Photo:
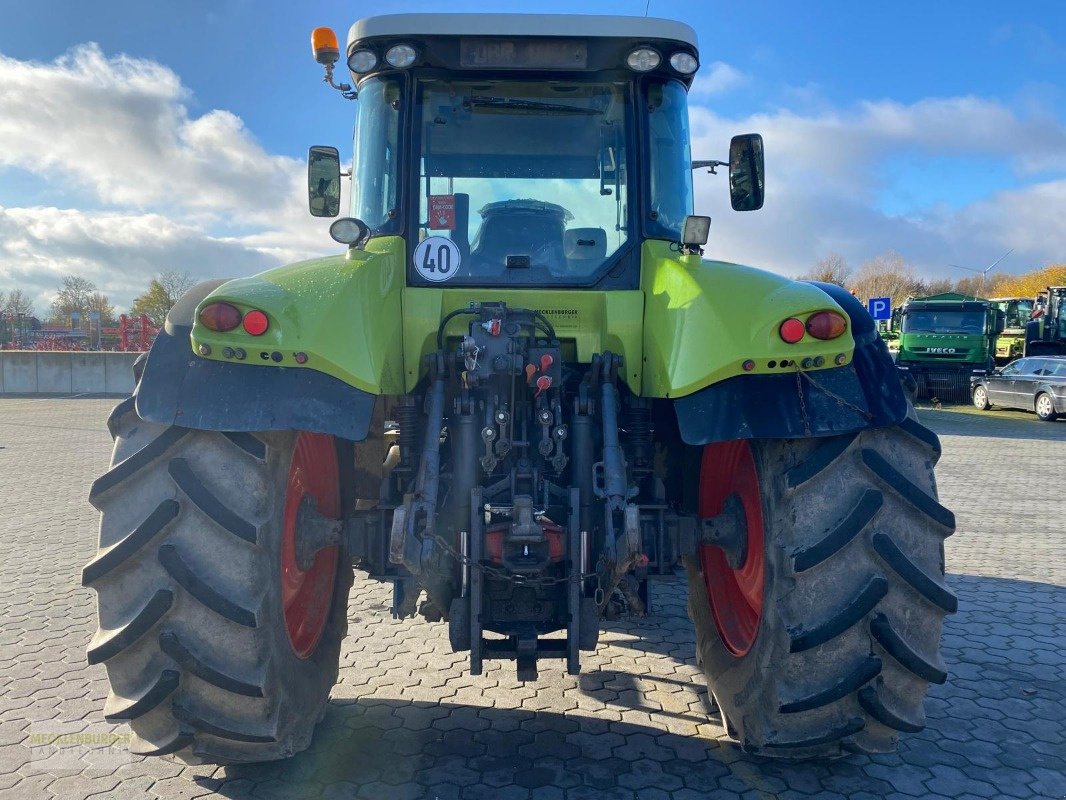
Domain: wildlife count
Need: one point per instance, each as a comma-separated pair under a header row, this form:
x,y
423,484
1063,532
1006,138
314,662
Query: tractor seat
x,y
521,228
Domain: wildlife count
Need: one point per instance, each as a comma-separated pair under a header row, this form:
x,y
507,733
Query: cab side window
x,y
670,173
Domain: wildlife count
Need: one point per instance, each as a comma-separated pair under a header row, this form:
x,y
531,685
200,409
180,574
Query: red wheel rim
x,y
307,595
736,595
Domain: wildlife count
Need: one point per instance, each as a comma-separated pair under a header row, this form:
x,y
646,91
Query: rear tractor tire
x,y
218,647
818,608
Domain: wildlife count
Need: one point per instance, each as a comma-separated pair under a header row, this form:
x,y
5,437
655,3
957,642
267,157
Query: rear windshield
x,y
521,182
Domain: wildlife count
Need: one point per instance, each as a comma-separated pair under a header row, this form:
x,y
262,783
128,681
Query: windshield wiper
x,y
528,105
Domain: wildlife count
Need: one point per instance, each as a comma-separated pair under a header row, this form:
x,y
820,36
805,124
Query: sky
x,y
142,137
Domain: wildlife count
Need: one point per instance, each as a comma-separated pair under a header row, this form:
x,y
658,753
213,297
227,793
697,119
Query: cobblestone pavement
x,y
406,722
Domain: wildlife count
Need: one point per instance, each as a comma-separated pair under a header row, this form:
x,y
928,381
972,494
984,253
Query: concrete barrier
x,y
44,372
88,373
20,372
53,373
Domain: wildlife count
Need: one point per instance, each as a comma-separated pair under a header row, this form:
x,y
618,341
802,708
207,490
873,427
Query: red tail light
x,y
220,317
256,322
826,325
792,330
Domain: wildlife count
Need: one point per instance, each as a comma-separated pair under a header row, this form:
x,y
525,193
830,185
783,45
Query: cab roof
x,y
567,25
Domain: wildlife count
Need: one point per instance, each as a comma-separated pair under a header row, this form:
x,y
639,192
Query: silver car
x,y
1037,383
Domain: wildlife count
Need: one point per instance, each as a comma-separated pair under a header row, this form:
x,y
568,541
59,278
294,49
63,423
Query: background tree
x,y
79,295
163,292
939,286
18,302
99,302
155,303
831,269
72,297
1031,283
974,286
887,275
175,283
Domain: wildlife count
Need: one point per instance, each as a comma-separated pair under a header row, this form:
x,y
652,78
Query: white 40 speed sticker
x,y
437,258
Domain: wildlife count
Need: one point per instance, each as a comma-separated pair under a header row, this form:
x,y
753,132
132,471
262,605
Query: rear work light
x,y
826,325
256,322
401,56
685,63
643,59
362,61
220,317
792,330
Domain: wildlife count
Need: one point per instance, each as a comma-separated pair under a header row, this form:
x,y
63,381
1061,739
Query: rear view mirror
x,y
324,181
746,183
1001,321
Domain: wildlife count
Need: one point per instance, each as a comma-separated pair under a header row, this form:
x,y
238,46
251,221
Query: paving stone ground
x,y
407,722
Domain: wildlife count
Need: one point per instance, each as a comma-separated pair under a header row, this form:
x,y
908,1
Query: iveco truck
x,y
944,340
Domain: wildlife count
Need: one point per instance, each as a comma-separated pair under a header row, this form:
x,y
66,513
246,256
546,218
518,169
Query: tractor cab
x,y
1045,333
528,150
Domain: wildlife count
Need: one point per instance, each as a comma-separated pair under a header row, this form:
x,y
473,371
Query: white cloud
x,y
118,252
825,171
717,78
172,191
118,126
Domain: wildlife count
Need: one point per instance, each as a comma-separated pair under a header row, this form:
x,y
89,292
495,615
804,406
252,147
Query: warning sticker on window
x,y
442,212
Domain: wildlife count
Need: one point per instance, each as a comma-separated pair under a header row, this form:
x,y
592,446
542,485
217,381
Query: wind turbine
x,y
984,272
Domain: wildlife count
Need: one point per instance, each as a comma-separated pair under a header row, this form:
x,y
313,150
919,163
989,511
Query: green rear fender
x,y
342,312
694,323
704,319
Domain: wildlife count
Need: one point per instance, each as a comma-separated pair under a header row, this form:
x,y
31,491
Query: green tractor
x,y
1017,312
1045,334
518,385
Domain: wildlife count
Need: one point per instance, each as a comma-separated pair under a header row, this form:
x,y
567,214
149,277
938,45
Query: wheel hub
x,y
729,532
307,588
733,562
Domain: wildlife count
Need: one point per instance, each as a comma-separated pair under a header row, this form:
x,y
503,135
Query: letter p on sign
x,y
880,307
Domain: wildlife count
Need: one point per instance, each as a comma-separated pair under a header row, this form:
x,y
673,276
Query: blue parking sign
x,y
880,307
